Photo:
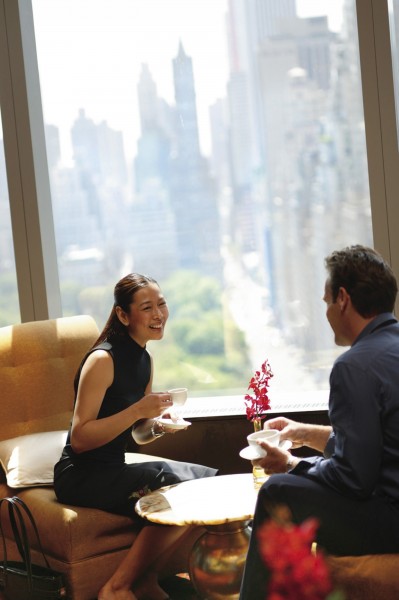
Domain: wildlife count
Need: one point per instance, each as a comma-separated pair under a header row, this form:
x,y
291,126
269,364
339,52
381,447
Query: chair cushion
x,y
28,460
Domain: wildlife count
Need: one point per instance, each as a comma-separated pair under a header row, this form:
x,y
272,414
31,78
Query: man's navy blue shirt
x,y
362,455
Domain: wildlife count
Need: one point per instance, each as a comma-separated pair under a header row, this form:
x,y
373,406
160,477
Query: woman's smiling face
x,y
147,316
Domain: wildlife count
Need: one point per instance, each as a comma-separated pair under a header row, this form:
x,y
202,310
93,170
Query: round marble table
x,y
223,505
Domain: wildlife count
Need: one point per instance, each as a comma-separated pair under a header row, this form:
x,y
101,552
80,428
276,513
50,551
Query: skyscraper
x,y
193,195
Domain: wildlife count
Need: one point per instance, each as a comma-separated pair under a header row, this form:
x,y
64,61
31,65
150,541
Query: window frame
x,y
26,165
380,125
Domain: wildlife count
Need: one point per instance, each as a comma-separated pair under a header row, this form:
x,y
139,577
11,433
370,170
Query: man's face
x,y
334,316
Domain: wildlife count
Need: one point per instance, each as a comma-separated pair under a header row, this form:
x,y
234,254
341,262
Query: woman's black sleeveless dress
x,y
100,478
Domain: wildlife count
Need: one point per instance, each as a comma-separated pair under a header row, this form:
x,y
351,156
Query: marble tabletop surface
x,y
207,501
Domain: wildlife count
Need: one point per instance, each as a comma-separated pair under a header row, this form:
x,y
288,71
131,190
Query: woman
x,y
114,399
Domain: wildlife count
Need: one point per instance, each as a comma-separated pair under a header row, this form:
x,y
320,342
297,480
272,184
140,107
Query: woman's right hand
x,y
154,404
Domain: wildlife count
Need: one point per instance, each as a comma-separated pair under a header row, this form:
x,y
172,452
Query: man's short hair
x,y
367,278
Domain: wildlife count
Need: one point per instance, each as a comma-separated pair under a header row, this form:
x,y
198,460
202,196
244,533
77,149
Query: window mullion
x,y
26,162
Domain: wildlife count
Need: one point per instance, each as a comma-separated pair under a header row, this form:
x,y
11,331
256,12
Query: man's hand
x,y
275,460
289,430
301,434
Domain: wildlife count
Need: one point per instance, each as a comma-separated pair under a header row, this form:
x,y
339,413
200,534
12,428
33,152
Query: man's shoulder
x,y
382,344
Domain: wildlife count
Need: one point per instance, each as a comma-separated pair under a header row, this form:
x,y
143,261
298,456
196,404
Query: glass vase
x,y
258,473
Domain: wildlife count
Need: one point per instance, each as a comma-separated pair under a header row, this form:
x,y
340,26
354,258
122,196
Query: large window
x,y
219,147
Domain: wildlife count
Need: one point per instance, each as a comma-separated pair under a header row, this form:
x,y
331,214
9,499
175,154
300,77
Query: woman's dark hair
x,y
367,278
124,292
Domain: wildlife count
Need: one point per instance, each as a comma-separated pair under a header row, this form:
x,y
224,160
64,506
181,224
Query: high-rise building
x,y
152,162
193,194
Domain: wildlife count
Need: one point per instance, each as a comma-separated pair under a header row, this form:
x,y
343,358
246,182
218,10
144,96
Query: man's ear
x,y
122,316
343,299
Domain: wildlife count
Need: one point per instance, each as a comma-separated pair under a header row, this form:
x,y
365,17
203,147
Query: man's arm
x,y
301,434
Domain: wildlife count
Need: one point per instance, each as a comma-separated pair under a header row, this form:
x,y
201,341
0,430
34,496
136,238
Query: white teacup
x,y
271,436
178,396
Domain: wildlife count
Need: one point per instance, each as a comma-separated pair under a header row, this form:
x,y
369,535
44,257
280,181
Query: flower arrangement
x,y
296,573
259,403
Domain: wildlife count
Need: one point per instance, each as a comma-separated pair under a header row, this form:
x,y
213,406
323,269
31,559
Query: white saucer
x,y
251,453
180,424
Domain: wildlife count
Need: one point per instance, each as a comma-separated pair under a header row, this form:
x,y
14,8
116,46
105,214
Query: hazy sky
x,y
91,58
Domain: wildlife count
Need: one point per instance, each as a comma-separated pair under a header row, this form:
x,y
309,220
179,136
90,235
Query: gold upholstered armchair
x,y
38,362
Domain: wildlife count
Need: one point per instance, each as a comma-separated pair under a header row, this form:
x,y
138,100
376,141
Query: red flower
x,y
256,406
296,573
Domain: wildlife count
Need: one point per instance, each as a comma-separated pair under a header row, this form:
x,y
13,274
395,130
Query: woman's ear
x,y
122,316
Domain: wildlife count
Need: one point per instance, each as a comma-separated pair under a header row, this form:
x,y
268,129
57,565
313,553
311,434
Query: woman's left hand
x,y
171,415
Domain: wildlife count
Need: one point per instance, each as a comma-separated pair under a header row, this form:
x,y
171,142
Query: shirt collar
x,y
380,320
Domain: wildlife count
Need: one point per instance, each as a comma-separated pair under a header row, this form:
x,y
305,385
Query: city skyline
x,y
104,83
288,171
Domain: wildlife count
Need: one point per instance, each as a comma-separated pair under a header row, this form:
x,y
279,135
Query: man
x,y
353,490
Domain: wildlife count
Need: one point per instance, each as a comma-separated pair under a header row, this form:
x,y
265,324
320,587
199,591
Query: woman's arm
x,y
88,432
147,430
